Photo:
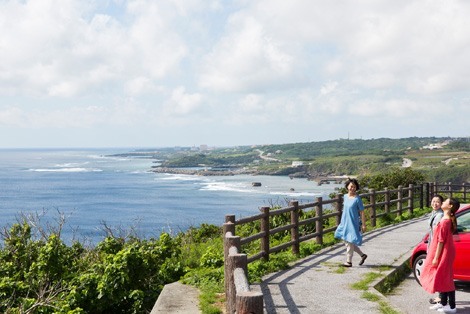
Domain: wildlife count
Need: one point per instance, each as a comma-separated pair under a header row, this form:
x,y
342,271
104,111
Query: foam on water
x,y
66,169
91,188
180,177
224,186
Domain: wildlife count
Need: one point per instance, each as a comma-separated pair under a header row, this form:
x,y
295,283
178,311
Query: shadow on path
x,y
283,290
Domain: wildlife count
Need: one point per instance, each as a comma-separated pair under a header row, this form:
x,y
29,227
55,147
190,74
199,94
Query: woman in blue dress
x,y
353,223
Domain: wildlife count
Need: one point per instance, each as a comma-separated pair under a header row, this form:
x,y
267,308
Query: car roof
x,y
463,207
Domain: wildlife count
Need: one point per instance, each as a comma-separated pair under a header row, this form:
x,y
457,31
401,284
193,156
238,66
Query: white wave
x,y
105,158
71,165
180,177
223,186
296,194
72,169
138,171
246,187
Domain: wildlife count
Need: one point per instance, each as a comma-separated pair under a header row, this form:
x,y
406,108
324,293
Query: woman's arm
x,y
435,260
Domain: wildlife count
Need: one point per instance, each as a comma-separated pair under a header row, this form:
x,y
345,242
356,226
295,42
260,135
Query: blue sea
x,y
91,190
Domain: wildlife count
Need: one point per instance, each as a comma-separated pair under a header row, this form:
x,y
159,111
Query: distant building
x,y
297,163
433,146
203,147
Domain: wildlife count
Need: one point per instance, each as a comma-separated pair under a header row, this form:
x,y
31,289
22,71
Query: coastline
x,y
319,179
204,172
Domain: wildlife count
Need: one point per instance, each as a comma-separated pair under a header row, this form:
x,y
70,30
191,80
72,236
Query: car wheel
x,y
418,266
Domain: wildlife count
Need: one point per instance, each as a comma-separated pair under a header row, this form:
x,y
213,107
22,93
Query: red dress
x,y
440,278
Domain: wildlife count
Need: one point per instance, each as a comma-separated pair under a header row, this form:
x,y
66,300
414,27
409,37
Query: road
x,y
261,155
410,298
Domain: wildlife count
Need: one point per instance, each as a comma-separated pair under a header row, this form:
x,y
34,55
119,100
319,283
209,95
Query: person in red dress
x,y
438,272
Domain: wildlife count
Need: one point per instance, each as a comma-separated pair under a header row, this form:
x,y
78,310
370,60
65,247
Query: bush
x,y
118,276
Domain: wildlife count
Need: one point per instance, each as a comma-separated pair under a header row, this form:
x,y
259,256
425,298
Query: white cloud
x,y
196,63
140,85
183,103
328,88
246,59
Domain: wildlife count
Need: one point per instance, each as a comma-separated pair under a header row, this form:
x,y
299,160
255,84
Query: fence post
x,y
230,218
428,193
387,201
265,231
228,228
421,196
234,261
400,199
319,222
433,192
294,231
229,266
464,188
249,303
373,209
449,188
410,198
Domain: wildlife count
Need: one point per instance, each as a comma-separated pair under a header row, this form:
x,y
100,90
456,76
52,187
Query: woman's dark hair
x,y
455,206
353,181
439,197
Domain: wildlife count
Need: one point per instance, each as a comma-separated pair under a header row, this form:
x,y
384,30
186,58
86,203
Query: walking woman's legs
x,y
451,299
357,250
444,296
349,251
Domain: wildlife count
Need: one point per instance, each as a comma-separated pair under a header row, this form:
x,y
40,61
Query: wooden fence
x,y
239,298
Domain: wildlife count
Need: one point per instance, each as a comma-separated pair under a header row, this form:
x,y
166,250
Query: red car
x,y
462,248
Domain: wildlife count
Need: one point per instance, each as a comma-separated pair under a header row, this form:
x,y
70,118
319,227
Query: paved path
x,y
408,297
316,284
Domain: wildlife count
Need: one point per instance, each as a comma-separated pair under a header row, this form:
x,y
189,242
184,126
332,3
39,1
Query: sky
x,y
159,73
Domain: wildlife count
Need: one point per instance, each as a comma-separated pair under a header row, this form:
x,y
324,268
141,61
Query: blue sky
x,y
146,73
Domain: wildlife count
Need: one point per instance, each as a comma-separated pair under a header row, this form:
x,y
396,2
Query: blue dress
x,y
349,228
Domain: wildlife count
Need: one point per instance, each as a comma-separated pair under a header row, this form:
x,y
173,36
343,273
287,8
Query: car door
x,y
462,247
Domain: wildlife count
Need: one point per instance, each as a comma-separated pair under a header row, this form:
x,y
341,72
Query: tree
x,y
392,179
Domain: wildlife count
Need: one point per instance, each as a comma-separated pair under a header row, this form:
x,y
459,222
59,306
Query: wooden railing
x,y
377,204
239,297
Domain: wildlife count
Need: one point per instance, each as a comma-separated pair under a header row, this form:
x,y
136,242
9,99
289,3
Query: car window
x,y
463,222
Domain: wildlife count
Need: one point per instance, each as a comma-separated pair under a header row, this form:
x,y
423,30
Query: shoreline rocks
x,y
199,172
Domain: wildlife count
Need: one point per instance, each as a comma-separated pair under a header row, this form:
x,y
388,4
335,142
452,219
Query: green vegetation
x,y
371,296
385,308
39,273
365,284
44,275
437,159
392,177
366,281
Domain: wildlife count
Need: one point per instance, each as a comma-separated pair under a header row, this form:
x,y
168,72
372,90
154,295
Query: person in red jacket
x,y
438,272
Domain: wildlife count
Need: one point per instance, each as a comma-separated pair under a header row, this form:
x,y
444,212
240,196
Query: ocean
x,y
92,189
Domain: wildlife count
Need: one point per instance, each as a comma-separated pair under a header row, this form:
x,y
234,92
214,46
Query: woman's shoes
x,y
349,264
434,300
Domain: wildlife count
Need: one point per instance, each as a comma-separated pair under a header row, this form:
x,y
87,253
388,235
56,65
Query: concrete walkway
x,y
316,285
177,298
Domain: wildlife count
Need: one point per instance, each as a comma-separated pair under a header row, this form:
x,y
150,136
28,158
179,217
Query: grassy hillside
x,y
440,159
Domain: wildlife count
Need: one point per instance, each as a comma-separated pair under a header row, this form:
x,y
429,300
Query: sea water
x,y
94,190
